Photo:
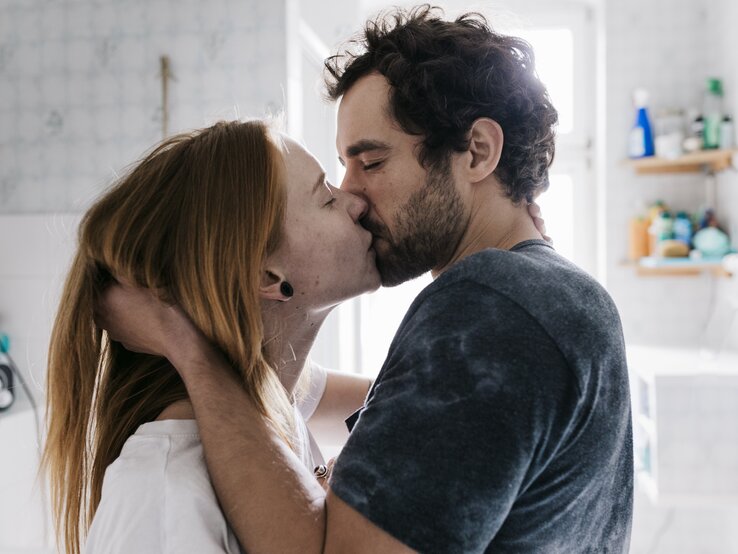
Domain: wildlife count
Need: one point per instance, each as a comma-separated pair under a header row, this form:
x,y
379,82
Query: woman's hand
x,y
136,318
535,213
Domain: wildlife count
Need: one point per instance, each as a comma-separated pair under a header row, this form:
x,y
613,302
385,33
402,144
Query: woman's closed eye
x,y
332,197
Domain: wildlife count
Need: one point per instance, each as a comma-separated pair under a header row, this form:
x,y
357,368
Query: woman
x,y
240,229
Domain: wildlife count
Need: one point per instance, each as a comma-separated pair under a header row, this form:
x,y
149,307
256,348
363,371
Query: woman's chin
x,y
371,284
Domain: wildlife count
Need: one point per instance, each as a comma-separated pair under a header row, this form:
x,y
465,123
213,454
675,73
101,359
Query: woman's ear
x,y
485,146
271,286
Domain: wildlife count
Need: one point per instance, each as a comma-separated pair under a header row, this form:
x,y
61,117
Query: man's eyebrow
x,y
365,145
319,183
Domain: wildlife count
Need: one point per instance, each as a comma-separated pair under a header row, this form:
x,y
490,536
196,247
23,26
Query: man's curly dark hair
x,y
446,74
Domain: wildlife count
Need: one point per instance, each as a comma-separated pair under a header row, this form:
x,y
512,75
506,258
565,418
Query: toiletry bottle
x,y
640,140
660,230
638,239
713,113
683,228
666,227
727,133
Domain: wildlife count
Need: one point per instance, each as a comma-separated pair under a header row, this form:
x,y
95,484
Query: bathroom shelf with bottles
x,y
703,161
679,267
706,162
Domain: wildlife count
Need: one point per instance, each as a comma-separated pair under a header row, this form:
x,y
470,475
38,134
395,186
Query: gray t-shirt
x,y
500,421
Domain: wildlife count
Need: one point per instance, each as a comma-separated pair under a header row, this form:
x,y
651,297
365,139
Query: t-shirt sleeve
x,y
157,497
468,406
193,522
308,401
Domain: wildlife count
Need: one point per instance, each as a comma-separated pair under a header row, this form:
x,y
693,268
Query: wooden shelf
x,y
685,269
696,162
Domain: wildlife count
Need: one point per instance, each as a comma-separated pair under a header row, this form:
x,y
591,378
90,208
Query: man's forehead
x,y
363,124
365,102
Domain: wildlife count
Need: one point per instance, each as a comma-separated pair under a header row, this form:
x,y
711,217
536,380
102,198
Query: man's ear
x,y
485,146
270,288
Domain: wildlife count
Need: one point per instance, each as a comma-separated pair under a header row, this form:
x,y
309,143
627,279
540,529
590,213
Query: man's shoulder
x,y
533,276
531,268
530,292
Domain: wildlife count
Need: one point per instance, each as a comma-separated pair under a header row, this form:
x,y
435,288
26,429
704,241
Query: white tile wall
x,y
80,94
664,46
80,100
669,47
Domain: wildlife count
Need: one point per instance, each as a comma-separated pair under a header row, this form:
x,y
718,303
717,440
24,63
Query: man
x,y
500,421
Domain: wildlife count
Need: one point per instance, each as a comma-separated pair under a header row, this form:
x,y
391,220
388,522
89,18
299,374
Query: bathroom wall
x,y
668,47
727,54
80,98
80,87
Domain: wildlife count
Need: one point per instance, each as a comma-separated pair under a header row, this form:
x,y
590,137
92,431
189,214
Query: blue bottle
x,y
640,139
683,228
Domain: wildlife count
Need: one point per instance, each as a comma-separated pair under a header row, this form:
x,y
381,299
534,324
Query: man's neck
x,y
494,222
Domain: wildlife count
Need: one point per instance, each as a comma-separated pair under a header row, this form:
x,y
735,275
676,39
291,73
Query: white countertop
x,y
648,360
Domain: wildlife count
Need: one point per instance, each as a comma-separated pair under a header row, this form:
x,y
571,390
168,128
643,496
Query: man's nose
x,y
350,183
357,206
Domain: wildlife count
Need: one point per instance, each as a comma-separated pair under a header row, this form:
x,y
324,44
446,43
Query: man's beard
x,y
428,229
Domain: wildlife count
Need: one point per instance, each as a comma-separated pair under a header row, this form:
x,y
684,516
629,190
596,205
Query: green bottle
x,y
713,113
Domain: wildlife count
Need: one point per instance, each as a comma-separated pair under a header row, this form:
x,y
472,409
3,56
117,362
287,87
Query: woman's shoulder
x,y
163,454
159,486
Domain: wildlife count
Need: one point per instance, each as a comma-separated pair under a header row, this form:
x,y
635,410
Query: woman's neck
x,y
289,333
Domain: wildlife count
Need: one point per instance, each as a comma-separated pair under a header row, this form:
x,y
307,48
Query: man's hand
x,y
535,213
136,318
323,473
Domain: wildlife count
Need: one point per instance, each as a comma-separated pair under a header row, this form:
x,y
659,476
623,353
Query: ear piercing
x,y
286,289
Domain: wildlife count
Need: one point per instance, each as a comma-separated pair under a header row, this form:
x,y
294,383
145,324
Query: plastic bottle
x,y
640,139
697,128
727,133
666,227
660,230
656,209
713,113
683,228
638,239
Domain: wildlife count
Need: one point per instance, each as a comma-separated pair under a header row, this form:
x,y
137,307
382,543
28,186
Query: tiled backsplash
x,y
80,92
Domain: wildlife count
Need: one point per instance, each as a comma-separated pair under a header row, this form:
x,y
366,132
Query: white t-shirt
x,y
157,496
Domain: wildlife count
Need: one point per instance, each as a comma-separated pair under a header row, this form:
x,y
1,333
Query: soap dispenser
x,y
640,140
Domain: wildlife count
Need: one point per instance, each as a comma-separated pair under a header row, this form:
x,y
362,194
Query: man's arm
x,y
260,482
273,503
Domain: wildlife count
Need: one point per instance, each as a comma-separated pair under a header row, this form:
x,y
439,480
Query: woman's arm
x,y
344,394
